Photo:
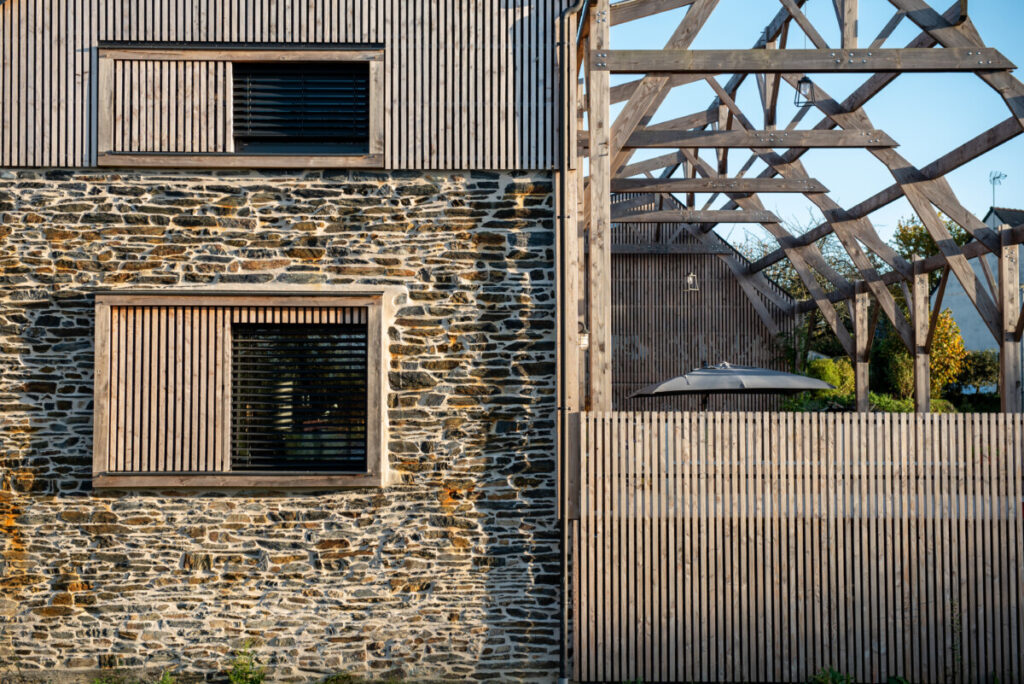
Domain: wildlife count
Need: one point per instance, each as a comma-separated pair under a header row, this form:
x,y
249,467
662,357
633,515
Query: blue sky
x,y
927,114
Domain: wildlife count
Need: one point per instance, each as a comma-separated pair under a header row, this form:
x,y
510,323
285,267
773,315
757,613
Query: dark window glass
x,y
298,397
302,107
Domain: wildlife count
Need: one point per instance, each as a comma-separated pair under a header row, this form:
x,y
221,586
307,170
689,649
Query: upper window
x,y
207,390
302,107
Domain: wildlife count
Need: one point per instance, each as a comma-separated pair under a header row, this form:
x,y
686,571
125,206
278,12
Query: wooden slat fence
x,y
768,546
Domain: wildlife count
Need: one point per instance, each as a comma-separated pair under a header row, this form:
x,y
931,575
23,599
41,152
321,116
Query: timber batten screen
x,y
215,390
754,547
241,108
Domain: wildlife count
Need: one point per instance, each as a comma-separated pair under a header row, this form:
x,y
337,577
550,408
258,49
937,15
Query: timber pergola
x,y
947,41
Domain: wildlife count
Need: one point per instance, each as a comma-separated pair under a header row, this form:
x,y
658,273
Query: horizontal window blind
x,y
282,106
298,396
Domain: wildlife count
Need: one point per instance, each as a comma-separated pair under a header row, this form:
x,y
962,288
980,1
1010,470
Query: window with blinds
x,y
302,107
298,396
238,390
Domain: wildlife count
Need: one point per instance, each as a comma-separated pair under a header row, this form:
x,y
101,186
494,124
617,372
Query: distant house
x,y
976,336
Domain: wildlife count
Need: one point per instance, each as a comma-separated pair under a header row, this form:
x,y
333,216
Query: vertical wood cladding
x,y
661,330
48,82
470,83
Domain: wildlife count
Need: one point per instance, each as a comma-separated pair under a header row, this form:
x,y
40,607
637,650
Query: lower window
x,y
206,390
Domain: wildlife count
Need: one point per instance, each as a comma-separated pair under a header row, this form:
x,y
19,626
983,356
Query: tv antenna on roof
x,y
995,178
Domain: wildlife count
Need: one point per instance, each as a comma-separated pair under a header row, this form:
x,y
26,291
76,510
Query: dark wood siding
x,y
660,331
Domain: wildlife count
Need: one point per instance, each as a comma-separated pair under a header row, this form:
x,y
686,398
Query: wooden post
x,y
1009,304
921,320
600,275
849,23
862,339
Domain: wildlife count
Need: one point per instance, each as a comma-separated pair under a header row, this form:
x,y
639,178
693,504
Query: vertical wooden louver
x,y
231,387
170,106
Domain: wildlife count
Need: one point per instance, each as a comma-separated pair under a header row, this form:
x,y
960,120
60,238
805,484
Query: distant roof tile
x,y
1013,217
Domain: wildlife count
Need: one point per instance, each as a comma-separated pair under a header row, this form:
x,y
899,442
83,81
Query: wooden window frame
x,y
106,156
376,462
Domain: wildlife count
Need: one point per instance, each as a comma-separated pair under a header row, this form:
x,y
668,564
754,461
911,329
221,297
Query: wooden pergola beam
x,y
847,13
1009,305
805,24
599,208
972,149
940,294
624,91
717,184
894,60
848,230
862,356
631,10
652,89
920,319
750,139
963,36
971,250
918,192
651,165
666,248
697,216
804,259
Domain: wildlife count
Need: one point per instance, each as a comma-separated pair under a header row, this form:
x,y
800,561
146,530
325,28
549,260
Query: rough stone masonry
x,y
450,573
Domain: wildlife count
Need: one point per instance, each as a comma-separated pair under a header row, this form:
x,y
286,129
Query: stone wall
x,y
449,573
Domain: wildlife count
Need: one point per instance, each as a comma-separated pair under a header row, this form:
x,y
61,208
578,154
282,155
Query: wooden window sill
x,y
276,480
243,161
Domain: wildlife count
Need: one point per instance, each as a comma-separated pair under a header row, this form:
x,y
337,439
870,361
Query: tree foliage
x,y
981,369
912,240
946,363
949,354
814,334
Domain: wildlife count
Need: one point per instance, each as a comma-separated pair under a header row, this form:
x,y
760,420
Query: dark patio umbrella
x,y
728,379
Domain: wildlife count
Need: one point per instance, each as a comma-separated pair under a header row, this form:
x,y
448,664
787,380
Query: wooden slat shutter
x,y
169,378
180,106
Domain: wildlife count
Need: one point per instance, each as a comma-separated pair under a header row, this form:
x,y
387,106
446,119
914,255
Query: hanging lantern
x,y
804,96
690,284
584,339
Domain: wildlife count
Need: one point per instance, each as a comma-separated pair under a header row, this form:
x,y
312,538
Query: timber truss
x,y
947,42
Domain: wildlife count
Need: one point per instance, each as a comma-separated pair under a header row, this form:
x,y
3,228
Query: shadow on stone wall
x,y
451,573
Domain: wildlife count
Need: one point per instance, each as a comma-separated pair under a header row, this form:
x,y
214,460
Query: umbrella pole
x,y
706,398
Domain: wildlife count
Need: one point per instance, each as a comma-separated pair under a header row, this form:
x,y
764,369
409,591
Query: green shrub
x,y
976,403
830,676
245,669
165,678
900,372
886,403
836,372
